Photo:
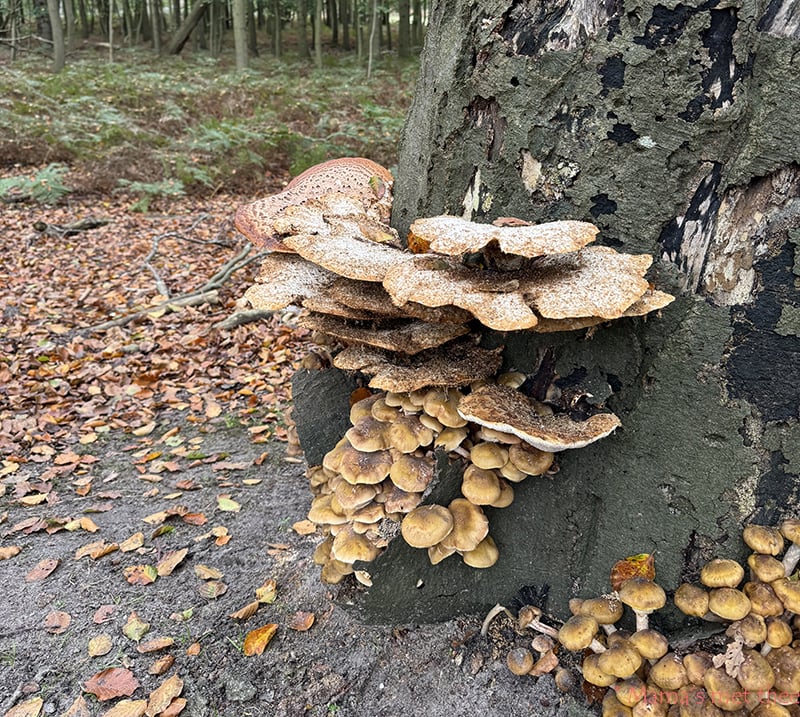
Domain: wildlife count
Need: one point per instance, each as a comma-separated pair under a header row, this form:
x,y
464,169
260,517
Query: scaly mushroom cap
x,y
755,673
409,337
507,410
285,279
427,525
721,573
456,364
354,176
455,236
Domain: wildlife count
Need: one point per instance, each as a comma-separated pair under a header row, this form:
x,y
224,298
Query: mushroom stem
x,y
766,649
791,559
461,452
491,615
642,621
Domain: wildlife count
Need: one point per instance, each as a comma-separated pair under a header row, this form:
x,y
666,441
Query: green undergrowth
x,y
153,122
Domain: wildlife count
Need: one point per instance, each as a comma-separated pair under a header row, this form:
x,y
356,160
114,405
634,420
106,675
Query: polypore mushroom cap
x,y
788,592
479,486
284,279
763,539
691,600
721,573
360,467
669,673
642,595
492,436
763,600
427,525
508,410
519,660
455,236
409,337
456,364
652,645
578,632
470,526
606,610
766,568
368,435
596,281
621,660
755,673
483,555
349,546
728,603
411,473
493,299
488,455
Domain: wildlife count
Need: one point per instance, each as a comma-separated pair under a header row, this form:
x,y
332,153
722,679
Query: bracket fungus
x,y
411,318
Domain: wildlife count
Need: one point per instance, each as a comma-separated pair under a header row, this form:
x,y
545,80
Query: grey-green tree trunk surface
x,y
240,8
57,34
673,127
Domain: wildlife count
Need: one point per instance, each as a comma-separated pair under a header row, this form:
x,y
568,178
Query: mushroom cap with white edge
x,y
409,337
285,279
510,411
455,364
455,236
427,525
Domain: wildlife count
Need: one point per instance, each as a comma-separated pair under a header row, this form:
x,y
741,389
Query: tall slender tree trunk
x,y
374,38
69,16
252,24
302,31
404,28
155,26
318,34
277,40
57,34
240,8
181,35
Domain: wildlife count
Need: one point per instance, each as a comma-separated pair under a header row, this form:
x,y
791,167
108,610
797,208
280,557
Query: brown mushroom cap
x,y
531,461
488,455
721,573
407,433
285,279
728,603
411,473
479,486
651,645
669,673
621,660
642,595
322,513
470,526
723,690
766,568
763,539
437,553
360,467
697,664
352,497
779,633
578,632
763,600
348,547
606,610
483,555
785,664
368,435
755,673
455,236
790,529
510,411
629,691
450,438
593,674
691,600
426,525
506,496
788,592
519,660
751,630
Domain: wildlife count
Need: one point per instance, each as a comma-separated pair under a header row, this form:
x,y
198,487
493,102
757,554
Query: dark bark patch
x,y
485,114
719,79
694,109
602,205
612,74
763,366
781,18
665,26
775,493
622,133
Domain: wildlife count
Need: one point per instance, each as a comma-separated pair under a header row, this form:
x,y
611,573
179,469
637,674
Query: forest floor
x,y
148,493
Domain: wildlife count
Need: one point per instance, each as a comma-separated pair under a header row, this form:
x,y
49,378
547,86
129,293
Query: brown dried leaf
x,y
78,708
195,519
140,574
634,566
57,622
100,645
212,589
256,641
9,551
193,649
161,665
88,525
154,645
103,614
135,542
301,621
110,683
170,561
29,708
247,611
42,570
175,707
164,694
127,708
267,592
304,527
204,572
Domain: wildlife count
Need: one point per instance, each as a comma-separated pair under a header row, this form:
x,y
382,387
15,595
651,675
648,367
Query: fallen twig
x,y
243,317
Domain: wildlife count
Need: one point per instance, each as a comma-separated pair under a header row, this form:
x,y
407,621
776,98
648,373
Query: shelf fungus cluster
x,y
409,317
751,668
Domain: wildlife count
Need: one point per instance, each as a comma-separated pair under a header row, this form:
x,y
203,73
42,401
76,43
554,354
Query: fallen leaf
x,y
161,665
212,589
634,566
175,707
160,697
301,621
170,561
213,409
204,572
110,683
144,430
227,504
140,574
42,570
29,708
78,708
228,466
66,458
195,519
88,525
247,611
256,641
100,645
187,484
57,622
154,645
103,614
9,551
133,543
251,481
33,499
267,592
127,708
156,518
8,468
135,628
193,649
182,616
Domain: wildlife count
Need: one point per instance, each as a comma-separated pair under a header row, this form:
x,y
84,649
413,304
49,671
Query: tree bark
x,y
318,34
240,8
404,28
673,128
182,33
57,34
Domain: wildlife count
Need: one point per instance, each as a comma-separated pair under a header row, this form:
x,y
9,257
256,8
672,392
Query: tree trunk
x,y
318,33
344,13
240,8
302,36
69,16
182,33
404,28
673,128
57,34
155,26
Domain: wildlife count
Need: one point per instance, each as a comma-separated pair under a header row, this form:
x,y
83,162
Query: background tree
x,y
674,129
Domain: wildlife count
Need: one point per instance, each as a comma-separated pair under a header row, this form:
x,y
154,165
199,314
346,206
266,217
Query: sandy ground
x,y
339,666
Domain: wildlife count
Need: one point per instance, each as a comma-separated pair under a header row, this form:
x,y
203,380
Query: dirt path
x,y
337,667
